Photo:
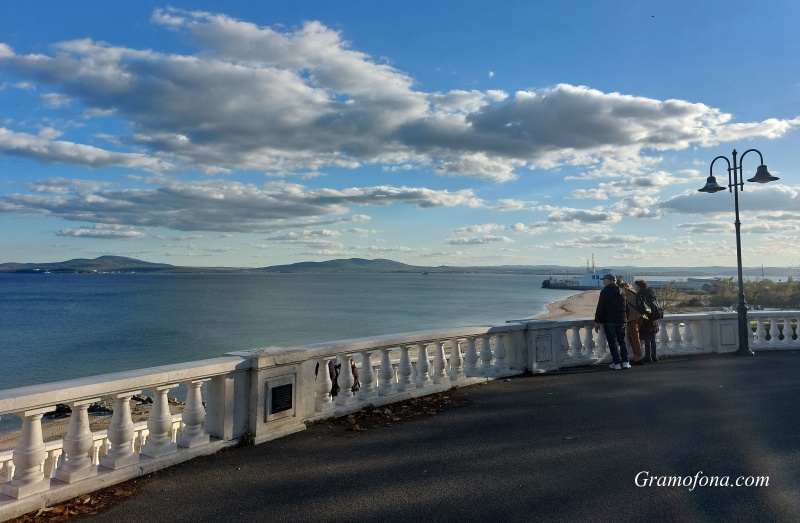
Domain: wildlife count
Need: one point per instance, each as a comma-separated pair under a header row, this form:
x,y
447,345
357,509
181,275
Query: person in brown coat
x,y
634,321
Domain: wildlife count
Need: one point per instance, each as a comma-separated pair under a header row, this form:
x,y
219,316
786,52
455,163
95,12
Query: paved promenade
x,y
566,446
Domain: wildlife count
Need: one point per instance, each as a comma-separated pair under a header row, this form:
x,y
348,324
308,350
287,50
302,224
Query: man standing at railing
x,y
612,314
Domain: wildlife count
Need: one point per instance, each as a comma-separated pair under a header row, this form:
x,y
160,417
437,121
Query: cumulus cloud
x,y
280,101
103,231
480,240
218,206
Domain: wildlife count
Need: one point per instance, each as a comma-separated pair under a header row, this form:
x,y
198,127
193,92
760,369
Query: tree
x,y
669,297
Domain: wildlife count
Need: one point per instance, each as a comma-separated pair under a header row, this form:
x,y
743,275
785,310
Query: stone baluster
x,y
367,378
761,332
120,433
159,422
77,464
774,332
788,333
456,361
193,417
404,370
486,355
386,373
589,347
322,397
28,455
601,346
52,462
439,371
500,364
575,346
99,449
471,359
663,338
675,342
6,469
423,366
346,395
688,337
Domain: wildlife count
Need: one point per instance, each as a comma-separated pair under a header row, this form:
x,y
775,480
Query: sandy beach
x,y
580,305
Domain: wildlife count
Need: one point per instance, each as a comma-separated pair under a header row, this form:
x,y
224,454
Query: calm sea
x,y
62,326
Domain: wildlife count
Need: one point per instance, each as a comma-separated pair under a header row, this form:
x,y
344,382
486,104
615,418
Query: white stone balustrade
x,y
228,397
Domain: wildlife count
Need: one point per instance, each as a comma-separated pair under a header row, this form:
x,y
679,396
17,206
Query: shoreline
x,y
581,305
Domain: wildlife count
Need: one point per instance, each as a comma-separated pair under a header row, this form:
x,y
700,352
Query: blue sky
x,y
432,133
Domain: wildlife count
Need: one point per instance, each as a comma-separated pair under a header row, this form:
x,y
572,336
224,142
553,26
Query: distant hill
x,y
124,264
101,264
349,265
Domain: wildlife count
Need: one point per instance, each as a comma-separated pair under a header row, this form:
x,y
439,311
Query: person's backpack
x,y
641,305
656,311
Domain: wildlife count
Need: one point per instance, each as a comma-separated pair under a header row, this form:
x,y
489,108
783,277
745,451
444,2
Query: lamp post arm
x,y
711,169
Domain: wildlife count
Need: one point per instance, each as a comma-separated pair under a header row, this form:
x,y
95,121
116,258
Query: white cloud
x,y
262,99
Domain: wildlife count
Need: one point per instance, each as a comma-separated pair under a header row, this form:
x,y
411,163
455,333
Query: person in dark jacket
x,y
648,328
612,314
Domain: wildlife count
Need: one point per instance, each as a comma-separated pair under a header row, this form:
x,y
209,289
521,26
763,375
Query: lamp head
x,y
763,175
711,186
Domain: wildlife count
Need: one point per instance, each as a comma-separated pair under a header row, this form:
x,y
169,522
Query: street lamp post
x,y
735,184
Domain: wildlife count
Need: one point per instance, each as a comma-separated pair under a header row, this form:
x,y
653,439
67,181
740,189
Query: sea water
x,y
63,326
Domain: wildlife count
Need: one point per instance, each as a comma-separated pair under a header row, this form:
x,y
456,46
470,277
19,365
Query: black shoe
x,y
648,359
638,362
655,360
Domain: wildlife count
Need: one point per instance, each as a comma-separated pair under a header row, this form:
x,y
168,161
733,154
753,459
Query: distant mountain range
x,y
107,264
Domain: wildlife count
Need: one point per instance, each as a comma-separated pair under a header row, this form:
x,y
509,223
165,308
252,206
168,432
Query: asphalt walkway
x,y
566,446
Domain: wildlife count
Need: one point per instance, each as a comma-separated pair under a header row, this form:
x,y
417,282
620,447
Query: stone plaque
x,y
281,398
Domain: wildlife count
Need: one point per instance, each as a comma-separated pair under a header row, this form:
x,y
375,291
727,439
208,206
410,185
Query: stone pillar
x,y
456,362
404,370
193,416
486,355
439,373
120,434
78,442
500,364
346,380
367,377
471,358
423,366
28,455
159,423
322,399
386,373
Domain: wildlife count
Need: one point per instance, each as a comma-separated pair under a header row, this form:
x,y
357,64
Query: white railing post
x,y
76,463
346,395
159,423
423,366
500,364
576,346
456,362
404,370
600,347
471,358
675,342
774,332
589,346
193,433
367,377
688,337
663,338
120,434
28,478
760,334
323,401
486,368
386,373
439,373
